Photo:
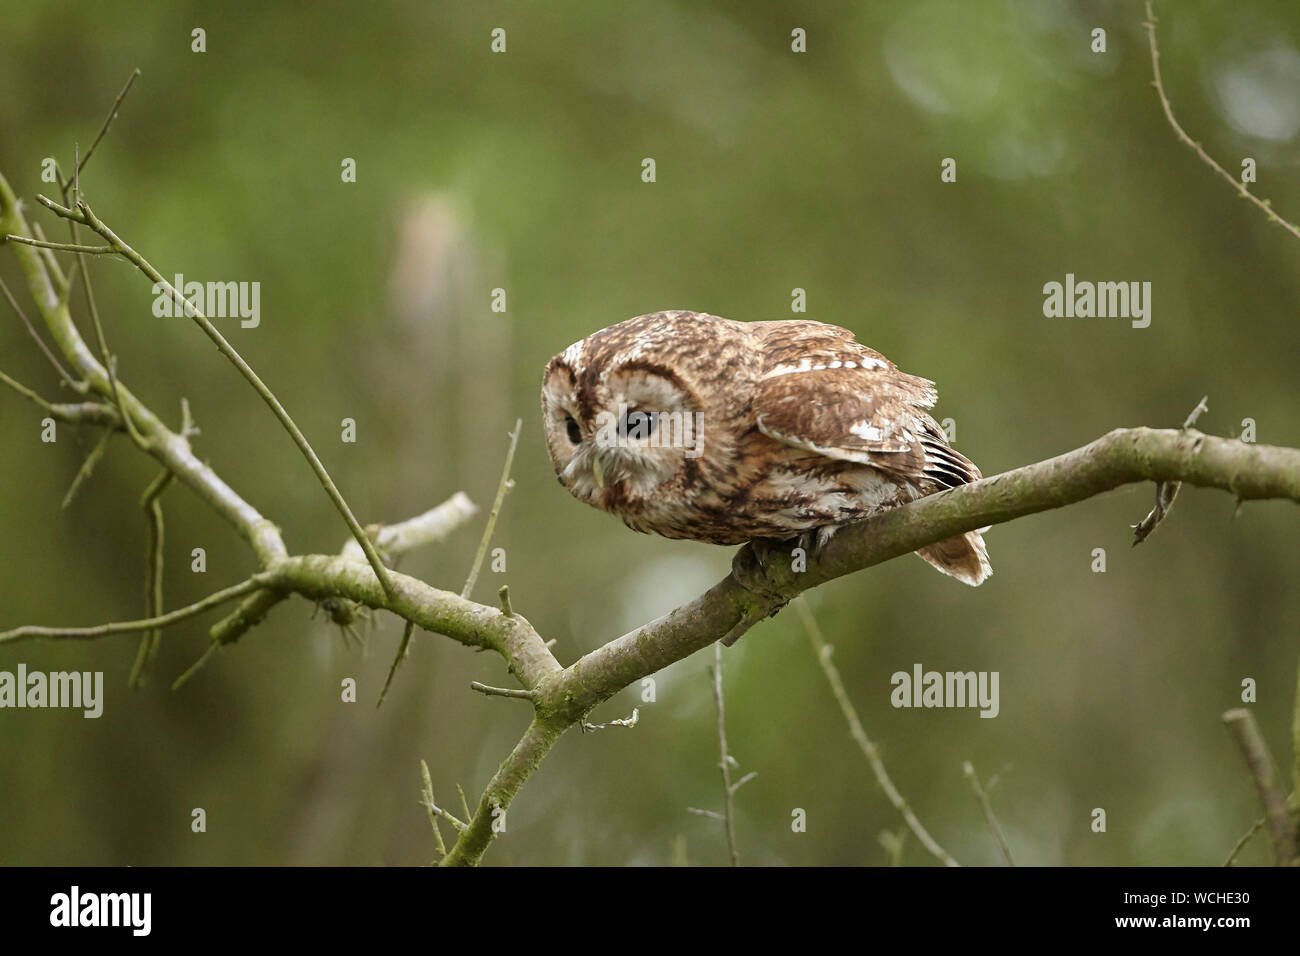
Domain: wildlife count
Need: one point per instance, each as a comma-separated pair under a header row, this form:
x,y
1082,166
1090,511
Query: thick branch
x,y
1121,457
319,576
510,776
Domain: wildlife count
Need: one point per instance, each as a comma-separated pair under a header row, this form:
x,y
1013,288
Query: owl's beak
x,y
598,472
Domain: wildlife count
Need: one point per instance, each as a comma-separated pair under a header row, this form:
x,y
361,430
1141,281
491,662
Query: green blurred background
x,y
775,170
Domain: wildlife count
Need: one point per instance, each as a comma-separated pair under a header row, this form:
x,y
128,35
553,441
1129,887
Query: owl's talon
x,y
753,572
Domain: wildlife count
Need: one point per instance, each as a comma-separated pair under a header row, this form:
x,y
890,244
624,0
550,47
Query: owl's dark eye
x,y
575,433
638,424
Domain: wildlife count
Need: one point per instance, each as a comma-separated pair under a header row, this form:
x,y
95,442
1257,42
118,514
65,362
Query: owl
x,y
688,425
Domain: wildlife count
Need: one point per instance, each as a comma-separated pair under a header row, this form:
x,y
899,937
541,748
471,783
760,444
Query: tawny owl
x,y
692,426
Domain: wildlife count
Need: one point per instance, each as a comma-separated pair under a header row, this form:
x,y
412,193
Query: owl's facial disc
x,y
618,439
644,429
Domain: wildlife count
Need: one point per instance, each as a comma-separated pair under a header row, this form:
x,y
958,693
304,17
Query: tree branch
x,y
869,750
1259,762
1263,204
84,215
167,447
130,627
1121,457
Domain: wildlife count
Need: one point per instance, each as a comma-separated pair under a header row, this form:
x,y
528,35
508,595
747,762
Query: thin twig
x,y
711,814
51,261
130,627
153,573
402,650
1259,762
431,527
1246,838
457,823
87,469
1166,491
464,804
728,812
87,413
426,801
108,121
502,487
110,361
822,651
49,354
994,826
491,691
212,648
64,246
1206,158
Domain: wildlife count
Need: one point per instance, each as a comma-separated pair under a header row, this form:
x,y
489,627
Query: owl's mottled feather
x,y
781,428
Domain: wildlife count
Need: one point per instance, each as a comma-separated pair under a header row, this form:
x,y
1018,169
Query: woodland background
x,y
775,171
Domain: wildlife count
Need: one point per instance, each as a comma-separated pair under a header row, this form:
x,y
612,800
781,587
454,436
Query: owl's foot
x,y
794,551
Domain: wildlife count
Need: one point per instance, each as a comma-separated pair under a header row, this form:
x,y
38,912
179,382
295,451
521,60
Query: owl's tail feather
x,y
963,557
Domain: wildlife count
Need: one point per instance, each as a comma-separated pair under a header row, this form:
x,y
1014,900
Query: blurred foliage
x,y
775,171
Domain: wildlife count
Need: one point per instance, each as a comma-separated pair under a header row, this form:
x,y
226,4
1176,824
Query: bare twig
x,y
502,487
491,691
110,361
426,801
402,650
434,525
87,467
153,575
711,814
1245,838
130,627
725,759
822,651
464,804
450,818
108,121
64,246
1259,762
994,826
1166,491
80,413
31,329
64,282
212,648
1263,204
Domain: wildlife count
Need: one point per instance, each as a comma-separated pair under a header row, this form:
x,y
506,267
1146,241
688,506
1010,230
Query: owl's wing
x,y
826,393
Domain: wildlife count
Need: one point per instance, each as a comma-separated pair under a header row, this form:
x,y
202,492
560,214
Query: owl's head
x,y
621,425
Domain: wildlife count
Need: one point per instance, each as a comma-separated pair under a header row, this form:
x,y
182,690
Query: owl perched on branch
x,y
692,426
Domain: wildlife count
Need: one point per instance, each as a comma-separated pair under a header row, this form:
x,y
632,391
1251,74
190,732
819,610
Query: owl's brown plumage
x,y
688,425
